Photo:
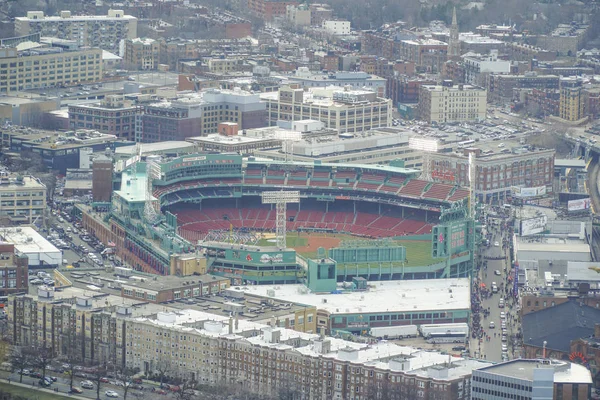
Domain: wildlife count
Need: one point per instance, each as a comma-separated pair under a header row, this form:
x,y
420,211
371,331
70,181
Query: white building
x,y
337,27
357,80
452,103
477,67
531,380
103,31
23,200
298,15
342,109
29,242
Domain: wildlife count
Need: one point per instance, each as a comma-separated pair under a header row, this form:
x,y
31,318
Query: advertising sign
x,y
579,204
533,226
528,192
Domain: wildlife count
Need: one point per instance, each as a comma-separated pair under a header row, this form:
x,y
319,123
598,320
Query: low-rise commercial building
x,y
477,67
268,10
356,80
337,27
452,103
28,242
501,87
22,200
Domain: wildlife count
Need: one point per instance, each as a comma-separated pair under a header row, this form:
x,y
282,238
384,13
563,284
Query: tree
x,y
71,353
186,390
41,356
20,359
97,376
126,375
163,367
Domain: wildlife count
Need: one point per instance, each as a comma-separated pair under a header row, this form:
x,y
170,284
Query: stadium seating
x,y
438,191
362,224
414,188
459,194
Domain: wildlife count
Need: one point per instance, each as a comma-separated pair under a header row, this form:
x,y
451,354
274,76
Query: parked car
x,y
87,385
111,393
75,390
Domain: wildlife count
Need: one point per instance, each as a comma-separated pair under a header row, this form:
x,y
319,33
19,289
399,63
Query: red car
x,y
104,380
159,391
174,388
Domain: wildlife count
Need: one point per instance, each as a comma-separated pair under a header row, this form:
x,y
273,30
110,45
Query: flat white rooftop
x,y
27,240
416,295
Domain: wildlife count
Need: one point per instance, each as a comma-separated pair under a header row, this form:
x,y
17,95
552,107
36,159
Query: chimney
x,y
237,322
597,331
230,324
544,350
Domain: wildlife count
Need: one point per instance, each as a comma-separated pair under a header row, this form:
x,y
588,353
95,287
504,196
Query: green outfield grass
x,y
418,253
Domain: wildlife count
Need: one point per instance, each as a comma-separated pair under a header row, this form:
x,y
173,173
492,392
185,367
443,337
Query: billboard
x,y
579,204
533,226
528,192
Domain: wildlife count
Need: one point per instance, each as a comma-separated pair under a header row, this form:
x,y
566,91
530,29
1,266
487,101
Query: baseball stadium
x,y
269,222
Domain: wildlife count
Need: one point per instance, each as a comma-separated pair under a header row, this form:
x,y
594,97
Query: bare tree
x,y
20,359
70,352
41,356
126,375
163,367
186,390
97,376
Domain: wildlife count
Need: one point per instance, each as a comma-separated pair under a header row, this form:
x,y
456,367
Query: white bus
x,y
466,143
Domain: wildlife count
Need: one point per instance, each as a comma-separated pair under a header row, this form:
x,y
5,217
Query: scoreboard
x,y
451,238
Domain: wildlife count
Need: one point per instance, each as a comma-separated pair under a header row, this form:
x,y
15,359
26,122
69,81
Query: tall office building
x,y
572,100
103,31
23,200
102,179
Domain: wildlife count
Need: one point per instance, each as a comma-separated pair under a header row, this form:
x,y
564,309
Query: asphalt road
x,y
492,349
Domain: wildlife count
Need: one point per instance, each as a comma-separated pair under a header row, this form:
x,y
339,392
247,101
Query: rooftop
x,y
58,140
133,186
169,282
559,325
27,240
150,148
417,295
13,182
564,371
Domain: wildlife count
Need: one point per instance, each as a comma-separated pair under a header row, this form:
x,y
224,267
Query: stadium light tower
x,y
151,212
472,179
280,199
426,146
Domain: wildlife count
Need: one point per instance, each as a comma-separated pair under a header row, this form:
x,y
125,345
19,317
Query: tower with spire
x,y
454,43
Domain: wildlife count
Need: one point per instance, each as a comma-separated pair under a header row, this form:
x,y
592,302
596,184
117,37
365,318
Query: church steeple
x,y
453,42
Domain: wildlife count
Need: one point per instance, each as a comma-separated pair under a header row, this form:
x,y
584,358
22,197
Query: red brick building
x,y
14,268
267,10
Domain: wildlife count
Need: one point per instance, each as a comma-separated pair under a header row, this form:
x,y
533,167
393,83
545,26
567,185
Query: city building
x,y
496,174
542,102
430,54
475,43
337,27
174,50
344,109
452,103
565,39
14,277
572,100
298,15
28,243
173,288
268,10
41,65
385,68
111,329
225,65
537,379
356,80
114,115
487,30
23,200
247,144
59,150
319,13
103,31
502,87
478,67
199,114
24,111
405,89
142,53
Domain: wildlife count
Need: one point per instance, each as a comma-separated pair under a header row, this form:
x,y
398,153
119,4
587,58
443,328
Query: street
x,y
497,259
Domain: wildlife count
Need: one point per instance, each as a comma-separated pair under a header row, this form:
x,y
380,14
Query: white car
x,y
497,272
502,315
504,348
496,244
492,325
111,393
87,384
